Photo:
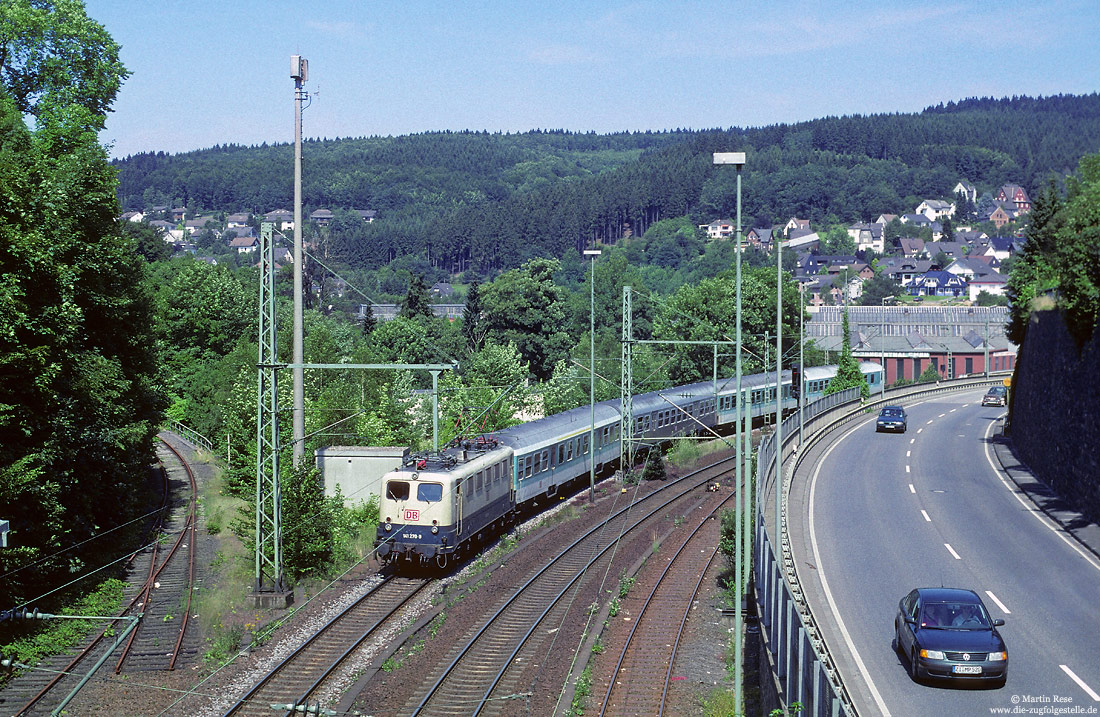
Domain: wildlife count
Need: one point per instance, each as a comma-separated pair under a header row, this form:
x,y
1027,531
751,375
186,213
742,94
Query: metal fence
x,y
190,435
803,669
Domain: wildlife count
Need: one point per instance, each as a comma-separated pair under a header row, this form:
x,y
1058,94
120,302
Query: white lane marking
x,y
1000,604
907,469
912,441
926,518
953,410
825,583
952,551
1031,507
908,454
912,489
919,430
1080,683
940,416
930,420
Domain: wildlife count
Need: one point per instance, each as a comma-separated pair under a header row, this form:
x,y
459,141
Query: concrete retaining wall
x,y
1055,410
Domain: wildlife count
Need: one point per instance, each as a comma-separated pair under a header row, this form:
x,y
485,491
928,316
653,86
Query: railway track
x,y
158,606
493,667
639,682
303,674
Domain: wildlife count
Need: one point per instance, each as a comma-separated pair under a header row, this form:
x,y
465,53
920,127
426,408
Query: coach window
x,y
477,485
429,492
584,444
561,453
545,460
527,467
397,490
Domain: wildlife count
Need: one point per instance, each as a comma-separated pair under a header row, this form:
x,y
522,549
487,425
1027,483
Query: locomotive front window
x,y
397,490
429,492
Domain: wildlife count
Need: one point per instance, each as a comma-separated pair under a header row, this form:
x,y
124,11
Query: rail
x,y
802,666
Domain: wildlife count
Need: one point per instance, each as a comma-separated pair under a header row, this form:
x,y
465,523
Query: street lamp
x,y
737,159
882,340
593,253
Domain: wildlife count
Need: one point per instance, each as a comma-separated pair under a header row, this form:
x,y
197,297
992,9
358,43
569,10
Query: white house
x,y
719,229
994,284
245,245
936,209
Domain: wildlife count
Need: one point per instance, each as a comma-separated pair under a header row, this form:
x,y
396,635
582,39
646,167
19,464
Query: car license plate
x,y
967,669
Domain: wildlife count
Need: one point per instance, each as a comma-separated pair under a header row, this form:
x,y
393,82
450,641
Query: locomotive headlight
x,y
389,527
435,529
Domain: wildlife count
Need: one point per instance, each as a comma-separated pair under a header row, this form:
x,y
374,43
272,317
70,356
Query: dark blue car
x,y
892,418
947,633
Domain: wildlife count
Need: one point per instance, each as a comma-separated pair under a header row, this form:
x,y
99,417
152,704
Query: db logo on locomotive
x,y
412,515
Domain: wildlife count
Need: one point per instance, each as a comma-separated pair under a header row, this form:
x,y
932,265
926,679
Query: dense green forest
x,y
462,201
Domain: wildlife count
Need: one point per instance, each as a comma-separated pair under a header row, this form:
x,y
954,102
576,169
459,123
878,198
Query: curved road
x,y
884,513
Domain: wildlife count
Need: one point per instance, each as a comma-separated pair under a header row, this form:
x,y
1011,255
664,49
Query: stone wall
x,y
1055,410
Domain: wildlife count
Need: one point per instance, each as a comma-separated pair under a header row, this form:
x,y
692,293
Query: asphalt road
x,y
884,513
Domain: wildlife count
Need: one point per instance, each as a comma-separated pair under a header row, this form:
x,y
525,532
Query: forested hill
x,y
488,201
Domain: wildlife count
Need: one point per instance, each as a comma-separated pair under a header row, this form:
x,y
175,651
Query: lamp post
x,y
882,341
299,71
801,363
592,253
737,159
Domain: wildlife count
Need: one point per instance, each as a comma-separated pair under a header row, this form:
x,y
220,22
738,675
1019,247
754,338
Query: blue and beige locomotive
x,y
435,506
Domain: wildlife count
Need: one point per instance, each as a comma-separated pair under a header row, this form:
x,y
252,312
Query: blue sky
x,y
207,73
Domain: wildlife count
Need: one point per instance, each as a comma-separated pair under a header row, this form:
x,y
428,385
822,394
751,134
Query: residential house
x,y
885,219
905,271
795,223
912,248
938,283
968,267
936,209
760,237
917,220
1002,214
830,289
281,218
237,232
177,214
966,189
321,217
369,215
952,249
868,236
971,237
238,220
133,217
162,226
442,290
245,244
1014,195
719,229
993,283
193,226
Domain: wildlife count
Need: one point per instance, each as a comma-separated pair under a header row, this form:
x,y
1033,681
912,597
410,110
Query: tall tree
x,y
417,301
471,317
848,373
79,396
526,307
